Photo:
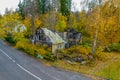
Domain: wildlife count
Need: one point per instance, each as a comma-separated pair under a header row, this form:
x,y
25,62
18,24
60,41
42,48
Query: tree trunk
x,y
97,29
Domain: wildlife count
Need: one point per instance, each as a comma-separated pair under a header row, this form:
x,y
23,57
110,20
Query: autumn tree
x,y
106,25
11,20
2,32
61,23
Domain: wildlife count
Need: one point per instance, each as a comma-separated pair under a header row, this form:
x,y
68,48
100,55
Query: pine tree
x,y
65,8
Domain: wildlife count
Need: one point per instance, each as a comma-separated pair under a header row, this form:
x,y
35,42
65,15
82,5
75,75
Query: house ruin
x,y
57,40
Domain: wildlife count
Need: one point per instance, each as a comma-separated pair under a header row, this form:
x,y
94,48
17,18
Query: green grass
x,y
112,72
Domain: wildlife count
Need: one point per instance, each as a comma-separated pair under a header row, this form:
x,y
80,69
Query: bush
x,y
115,47
99,54
40,50
26,47
38,56
20,45
50,57
86,45
82,50
30,48
10,39
76,51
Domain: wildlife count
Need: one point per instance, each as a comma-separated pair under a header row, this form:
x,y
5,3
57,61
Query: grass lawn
x,y
112,72
109,68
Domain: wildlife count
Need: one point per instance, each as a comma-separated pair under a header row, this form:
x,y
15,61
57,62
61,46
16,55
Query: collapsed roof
x,y
54,37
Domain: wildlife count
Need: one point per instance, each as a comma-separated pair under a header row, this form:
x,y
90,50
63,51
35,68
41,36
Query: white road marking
x,y
13,60
6,54
21,66
29,72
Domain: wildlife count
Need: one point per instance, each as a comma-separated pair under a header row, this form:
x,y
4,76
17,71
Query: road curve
x,y
15,65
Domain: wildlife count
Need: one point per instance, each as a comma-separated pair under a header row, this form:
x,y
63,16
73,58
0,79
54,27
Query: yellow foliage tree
x,y
9,21
37,22
108,26
61,24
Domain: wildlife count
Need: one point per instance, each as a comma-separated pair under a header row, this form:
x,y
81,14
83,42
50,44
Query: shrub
x,y
99,54
38,56
26,47
115,47
82,50
76,51
41,51
20,37
10,39
50,57
21,45
30,48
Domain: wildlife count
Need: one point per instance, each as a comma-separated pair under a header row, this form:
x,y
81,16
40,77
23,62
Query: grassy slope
x,y
108,69
111,72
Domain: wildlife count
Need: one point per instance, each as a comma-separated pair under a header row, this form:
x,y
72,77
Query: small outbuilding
x,y
19,28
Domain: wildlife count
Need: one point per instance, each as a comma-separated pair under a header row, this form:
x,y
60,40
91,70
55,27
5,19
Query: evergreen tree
x,y
20,9
65,7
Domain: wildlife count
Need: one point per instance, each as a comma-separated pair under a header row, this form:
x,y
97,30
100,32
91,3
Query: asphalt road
x,y
15,65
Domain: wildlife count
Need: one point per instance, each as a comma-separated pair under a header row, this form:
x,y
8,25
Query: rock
x,y
78,59
83,62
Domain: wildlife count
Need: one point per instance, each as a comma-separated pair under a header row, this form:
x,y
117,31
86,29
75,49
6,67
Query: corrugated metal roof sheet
x,y
54,37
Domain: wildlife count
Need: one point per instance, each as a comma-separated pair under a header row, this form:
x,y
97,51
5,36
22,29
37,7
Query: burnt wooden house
x,y
50,38
71,37
57,40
